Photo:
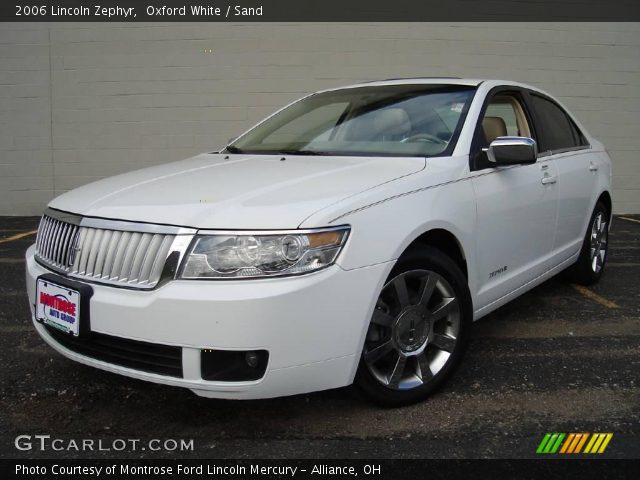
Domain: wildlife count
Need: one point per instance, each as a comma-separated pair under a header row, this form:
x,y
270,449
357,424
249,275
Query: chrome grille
x,y
109,255
56,241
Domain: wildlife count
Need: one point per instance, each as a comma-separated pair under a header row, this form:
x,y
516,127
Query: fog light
x,y
233,365
252,359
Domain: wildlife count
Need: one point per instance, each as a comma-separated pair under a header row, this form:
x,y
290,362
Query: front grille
x,y
122,257
147,357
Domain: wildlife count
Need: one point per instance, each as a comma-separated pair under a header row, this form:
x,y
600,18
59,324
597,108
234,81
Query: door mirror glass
x,y
512,151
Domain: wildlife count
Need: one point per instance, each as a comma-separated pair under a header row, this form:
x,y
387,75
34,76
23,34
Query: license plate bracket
x,y
63,304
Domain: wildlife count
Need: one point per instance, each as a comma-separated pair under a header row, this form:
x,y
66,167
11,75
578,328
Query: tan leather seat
x,y
391,122
494,127
380,125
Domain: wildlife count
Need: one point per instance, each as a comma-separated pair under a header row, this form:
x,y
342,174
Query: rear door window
x,y
556,130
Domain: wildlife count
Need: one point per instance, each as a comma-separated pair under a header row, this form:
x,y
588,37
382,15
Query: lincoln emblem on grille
x,y
75,249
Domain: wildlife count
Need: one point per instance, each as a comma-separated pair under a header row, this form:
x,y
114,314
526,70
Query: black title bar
x,y
318,10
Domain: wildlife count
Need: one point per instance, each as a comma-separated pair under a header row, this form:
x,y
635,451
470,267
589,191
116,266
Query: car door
x,y
516,204
560,140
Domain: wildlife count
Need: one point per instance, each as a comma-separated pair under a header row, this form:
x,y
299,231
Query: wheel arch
x,y
605,198
446,242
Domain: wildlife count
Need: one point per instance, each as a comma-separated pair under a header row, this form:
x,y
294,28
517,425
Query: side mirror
x,y
512,151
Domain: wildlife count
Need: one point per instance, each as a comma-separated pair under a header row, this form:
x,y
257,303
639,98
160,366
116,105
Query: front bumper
x,y
313,326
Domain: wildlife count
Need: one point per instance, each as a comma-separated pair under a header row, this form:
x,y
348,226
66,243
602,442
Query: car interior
x,y
505,117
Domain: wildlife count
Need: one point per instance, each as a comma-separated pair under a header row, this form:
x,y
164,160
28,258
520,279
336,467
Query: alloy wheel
x,y
599,238
413,331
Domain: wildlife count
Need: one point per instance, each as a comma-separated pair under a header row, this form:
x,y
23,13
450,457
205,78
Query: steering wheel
x,y
424,137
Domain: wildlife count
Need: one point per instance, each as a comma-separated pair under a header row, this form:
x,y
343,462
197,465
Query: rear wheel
x,y
418,329
593,256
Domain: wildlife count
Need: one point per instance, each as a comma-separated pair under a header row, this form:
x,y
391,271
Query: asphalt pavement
x,y
561,358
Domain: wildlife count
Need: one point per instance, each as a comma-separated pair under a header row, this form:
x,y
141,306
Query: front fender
x,y
382,231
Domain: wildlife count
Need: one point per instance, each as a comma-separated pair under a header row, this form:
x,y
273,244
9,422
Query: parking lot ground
x,y
561,358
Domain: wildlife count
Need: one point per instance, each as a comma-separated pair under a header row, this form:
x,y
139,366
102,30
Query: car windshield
x,y
390,120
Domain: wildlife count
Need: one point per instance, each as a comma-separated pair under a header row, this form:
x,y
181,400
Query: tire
x,y
418,332
589,268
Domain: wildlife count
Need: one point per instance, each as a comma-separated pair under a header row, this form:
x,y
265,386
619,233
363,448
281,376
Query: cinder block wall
x,y
79,102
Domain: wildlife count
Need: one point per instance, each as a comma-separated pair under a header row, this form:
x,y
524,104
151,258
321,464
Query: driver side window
x,y
504,117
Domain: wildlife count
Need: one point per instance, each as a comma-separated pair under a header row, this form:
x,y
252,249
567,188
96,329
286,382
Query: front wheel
x,y
417,333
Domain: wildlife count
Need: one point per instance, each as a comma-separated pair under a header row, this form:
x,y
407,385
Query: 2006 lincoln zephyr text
x,y
351,237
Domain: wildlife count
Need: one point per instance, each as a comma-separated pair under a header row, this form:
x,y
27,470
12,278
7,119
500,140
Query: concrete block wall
x,y
79,102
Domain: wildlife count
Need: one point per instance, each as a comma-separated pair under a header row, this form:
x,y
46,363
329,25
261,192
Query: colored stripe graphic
x,y
573,443
581,442
605,443
543,443
550,443
555,447
567,443
594,437
598,443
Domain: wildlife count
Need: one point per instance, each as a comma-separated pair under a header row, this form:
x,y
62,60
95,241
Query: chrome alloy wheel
x,y
599,237
413,331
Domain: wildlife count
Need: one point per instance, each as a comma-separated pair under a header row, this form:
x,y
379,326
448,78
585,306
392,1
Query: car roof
x,y
426,80
472,82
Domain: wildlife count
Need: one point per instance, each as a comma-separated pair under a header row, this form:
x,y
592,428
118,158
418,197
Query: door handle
x,y
593,167
548,179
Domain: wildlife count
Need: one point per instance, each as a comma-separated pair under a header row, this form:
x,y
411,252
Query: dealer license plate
x,y
58,306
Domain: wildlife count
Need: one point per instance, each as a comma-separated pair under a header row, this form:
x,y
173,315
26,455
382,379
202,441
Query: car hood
x,y
236,191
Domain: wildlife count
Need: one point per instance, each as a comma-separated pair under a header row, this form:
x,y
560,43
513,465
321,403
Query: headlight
x,y
262,254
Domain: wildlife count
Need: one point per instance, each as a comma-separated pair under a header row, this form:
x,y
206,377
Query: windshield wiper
x,y
301,152
233,149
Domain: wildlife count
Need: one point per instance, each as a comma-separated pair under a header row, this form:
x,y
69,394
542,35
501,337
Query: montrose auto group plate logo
x,y
574,443
57,309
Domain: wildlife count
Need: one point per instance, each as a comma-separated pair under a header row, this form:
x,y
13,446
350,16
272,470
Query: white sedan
x,y
351,237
